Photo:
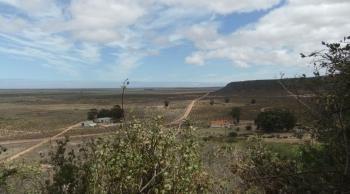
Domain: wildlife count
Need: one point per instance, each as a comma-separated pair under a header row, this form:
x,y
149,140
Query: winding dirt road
x,y
43,141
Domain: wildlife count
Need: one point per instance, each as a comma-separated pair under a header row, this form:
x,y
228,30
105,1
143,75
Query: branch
x,y
152,179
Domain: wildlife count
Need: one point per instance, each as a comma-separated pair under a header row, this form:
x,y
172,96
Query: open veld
x,y
31,119
28,116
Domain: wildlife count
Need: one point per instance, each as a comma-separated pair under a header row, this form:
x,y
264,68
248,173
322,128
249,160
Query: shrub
x,y
143,158
275,120
116,113
236,114
212,102
312,170
92,114
232,134
227,100
166,103
237,129
248,127
253,101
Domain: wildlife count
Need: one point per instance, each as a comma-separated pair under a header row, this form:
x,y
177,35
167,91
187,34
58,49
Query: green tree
x,y
104,113
116,113
275,120
92,114
253,101
166,103
236,114
212,102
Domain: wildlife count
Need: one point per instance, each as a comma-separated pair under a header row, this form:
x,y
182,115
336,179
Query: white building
x,y
104,120
88,124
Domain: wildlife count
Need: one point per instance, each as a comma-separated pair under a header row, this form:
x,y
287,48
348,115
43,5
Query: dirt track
x,y
188,111
44,141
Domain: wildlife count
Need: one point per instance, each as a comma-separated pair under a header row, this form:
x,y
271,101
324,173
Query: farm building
x,y
221,124
104,120
88,124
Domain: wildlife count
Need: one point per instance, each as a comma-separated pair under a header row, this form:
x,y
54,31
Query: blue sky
x,y
168,41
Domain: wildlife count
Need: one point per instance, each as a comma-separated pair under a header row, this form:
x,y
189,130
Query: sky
x,y
203,42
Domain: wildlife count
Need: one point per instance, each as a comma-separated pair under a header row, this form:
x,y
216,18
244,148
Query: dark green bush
x,y
275,120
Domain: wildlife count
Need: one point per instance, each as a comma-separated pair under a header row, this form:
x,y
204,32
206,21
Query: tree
x,y
104,113
332,108
275,120
227,100
236,114
92,114
116,113
253,101
166,103
212,102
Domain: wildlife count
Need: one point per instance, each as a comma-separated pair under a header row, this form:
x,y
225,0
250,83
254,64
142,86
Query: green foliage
x,y
236,114
166,103
143,158
318,168
232,134
275,120
267,171
248,127
116,113
92,114
253,101
212,102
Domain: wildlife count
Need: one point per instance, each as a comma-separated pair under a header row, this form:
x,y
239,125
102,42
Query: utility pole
x,y
124,86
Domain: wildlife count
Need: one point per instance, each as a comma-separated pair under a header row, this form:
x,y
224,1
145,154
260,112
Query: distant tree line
x,y
116,113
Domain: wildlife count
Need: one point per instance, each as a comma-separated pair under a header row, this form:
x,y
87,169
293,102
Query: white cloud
x,y
71,36
278,37
223,6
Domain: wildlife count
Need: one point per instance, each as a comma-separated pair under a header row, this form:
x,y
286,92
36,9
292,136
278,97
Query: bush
x,y
212,102
116,113
92,114
311,170
143,158
236,114
253,101
237,129
232,134
275,120
227,100
166,103
248,127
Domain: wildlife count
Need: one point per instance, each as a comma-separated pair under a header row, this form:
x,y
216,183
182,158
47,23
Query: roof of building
x,y
220,122
104,118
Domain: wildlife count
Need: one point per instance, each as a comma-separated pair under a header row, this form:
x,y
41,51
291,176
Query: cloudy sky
x,y
164,40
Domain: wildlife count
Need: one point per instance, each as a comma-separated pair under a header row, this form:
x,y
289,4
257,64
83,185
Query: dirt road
x,y
188,111
44,141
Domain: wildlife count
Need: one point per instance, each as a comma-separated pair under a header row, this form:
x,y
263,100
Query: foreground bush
x,y
312,170
142,158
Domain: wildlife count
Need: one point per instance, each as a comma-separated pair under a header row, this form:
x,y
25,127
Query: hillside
x,y
265,87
